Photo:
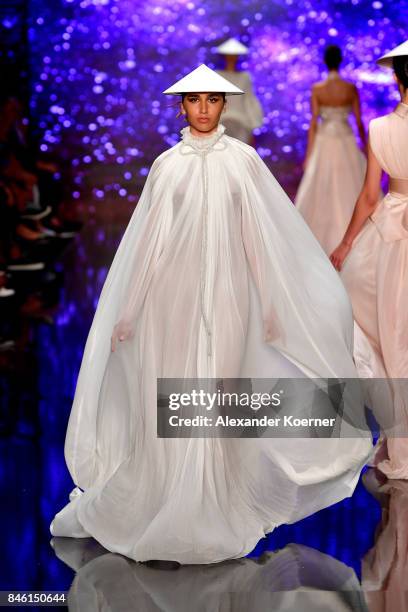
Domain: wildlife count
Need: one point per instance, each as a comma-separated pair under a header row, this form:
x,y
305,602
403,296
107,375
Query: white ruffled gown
x,y
217,275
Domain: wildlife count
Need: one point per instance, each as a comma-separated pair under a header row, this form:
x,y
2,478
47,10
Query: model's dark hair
x,y
217,92
333,57
400,65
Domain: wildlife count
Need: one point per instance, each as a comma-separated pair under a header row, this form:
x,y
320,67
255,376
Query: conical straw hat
x,y
386,60
203,79
232,46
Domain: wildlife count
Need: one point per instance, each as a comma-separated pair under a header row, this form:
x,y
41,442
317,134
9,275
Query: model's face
x,y
203,112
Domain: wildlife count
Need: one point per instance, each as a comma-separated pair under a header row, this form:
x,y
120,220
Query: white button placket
x,y
196,144
204,253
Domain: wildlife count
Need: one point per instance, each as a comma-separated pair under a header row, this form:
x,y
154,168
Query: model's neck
x,y
231,64
404,96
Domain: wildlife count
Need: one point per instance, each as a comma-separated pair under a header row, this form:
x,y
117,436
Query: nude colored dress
x,y
333,178
384,569
376,276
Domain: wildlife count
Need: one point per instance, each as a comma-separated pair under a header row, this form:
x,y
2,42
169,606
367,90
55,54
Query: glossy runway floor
x,y
352,556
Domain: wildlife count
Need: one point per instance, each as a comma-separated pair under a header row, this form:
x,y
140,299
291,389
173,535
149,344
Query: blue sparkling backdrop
x,y
98,68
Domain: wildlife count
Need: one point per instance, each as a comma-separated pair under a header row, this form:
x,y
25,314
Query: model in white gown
x,y
243,114
334,167
217,275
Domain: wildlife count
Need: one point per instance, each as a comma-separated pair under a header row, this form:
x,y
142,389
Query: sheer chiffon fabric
x,y
333,178
217,275
376,276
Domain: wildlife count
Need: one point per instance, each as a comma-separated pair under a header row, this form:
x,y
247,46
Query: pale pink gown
x,y
376,276
333,178
384,569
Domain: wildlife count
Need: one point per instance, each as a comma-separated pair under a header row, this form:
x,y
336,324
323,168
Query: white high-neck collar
x,y
202,142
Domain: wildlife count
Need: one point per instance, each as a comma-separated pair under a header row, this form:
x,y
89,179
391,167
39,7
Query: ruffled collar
x,y
402,110
202,143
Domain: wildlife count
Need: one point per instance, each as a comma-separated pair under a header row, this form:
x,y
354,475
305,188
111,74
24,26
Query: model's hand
x,y
339,255
114,341
121,332
269,330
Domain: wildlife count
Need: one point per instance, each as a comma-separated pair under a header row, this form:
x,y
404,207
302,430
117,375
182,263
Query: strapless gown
x,y
333,178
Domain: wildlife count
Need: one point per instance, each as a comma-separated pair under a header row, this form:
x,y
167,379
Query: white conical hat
x,y
232,46
386,60
203,79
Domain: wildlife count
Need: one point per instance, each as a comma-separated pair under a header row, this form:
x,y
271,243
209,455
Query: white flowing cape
x,y
217,275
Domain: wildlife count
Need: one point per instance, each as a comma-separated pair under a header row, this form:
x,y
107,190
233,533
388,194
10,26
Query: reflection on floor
x,y
294,578
321,553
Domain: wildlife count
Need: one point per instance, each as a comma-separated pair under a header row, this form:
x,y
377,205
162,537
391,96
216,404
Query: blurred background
x,y
91,73
82,117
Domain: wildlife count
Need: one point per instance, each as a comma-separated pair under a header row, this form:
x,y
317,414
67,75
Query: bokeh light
x,y
98,68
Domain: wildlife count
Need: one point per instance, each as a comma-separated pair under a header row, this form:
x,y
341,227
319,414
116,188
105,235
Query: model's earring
x,y
181,113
